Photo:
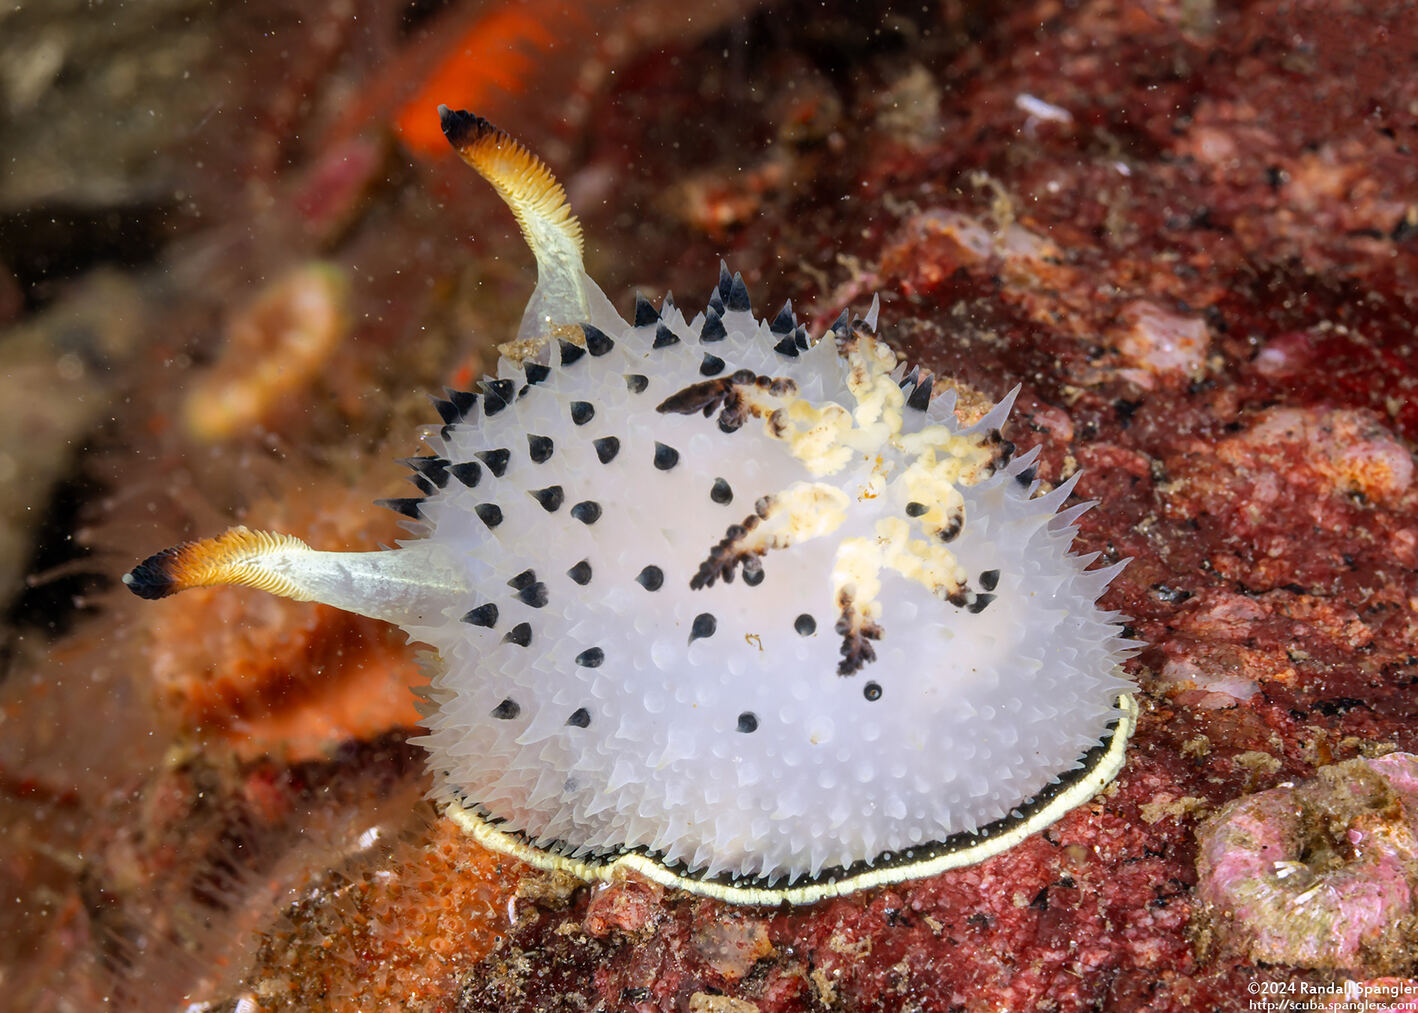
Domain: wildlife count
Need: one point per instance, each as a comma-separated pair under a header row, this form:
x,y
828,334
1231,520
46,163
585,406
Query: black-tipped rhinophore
x,y
152,578
462,128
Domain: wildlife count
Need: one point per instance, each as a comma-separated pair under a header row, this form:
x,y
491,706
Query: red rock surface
x,y
1189,231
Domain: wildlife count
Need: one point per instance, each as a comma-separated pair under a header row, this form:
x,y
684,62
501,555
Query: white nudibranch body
x,y
751,614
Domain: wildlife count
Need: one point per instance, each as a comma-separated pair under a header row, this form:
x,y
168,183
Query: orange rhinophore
x,y
268,676
519,177
236,557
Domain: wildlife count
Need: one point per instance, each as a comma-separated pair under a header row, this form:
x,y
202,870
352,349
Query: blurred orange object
x,y
495,54
276,347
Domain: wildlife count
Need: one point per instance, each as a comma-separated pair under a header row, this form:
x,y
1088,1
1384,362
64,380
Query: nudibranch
x,y
751,614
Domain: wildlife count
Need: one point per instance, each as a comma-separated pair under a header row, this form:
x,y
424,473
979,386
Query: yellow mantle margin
x,y
916,863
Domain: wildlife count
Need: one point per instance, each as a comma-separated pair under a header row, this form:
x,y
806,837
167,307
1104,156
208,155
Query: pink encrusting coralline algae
x,y
1321,875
